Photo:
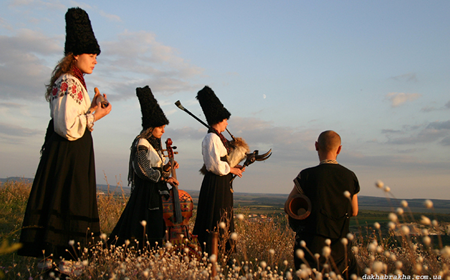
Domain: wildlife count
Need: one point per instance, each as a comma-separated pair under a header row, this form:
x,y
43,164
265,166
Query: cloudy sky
x,y
377,72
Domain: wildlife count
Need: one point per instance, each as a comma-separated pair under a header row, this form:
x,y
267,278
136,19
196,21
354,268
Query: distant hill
x,y
278,200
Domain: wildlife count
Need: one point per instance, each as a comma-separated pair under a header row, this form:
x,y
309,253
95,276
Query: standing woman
x,y
62,207
215,202
142,220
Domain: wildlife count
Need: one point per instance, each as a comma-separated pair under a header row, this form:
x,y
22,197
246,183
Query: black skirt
x,y
145,204
215,204
63,201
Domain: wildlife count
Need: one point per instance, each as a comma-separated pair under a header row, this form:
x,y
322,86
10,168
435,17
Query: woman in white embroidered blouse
x,y
62,207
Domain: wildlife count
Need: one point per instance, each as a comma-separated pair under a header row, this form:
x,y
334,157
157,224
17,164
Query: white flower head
x,y
428,204
344,241
347,194
213,258
393,217
303,243
222,225
377,225
143,223
425,220
103,236
234,236
400,211
272,252
387,189
379,184
405,230
240,217
350,236
391,225
326,251
300,254
404,203
328,242
71,242
263,264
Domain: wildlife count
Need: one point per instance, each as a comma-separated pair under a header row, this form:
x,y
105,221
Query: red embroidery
x,y
64,86
80,96
74,89
54,91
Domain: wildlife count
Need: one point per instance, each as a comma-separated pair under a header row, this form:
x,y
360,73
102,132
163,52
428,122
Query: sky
x,y
376,72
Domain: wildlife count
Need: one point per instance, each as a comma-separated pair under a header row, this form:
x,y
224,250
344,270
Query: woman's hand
x,y
168,165
100,112
237,171
173,182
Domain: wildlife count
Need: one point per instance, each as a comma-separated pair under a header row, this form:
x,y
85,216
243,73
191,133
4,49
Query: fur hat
x,y
80,37
213,109
152,114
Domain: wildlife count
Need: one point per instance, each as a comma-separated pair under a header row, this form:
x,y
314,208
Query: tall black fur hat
x,y
152,114
213,109
80,37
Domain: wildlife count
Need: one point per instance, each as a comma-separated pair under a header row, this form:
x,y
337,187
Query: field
x,y
408,244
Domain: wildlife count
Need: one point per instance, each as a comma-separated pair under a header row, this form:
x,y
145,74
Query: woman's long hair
x,y
64,66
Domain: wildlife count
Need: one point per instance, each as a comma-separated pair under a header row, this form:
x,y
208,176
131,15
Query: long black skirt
x,y
215,204
63,201
144,204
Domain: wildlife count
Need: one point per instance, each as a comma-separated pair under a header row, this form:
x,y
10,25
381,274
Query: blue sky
x,y
377,72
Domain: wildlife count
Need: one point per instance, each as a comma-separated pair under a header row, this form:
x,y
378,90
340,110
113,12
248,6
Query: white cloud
x,y
399,98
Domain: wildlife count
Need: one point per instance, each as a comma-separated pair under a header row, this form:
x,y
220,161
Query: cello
x,y
177,209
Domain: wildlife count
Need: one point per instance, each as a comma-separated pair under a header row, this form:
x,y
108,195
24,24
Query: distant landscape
x,y
270,203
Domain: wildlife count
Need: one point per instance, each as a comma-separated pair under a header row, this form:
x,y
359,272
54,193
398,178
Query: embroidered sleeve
x,y
213,150
69,104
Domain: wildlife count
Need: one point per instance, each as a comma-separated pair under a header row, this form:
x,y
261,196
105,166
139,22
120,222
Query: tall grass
x,y
264,247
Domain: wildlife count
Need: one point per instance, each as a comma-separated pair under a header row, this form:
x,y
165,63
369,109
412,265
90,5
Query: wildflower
x,y
213,258
303,244
234,236
263,264
222,225
425,220
426,240
372,247
355,250
387,189
393,217
400,211
127,242
285,262
435,223
300,254
103,236
379,184
398,264
445,252
344,241
391,225
71,242
404,203
143,223
428,204
405,230
350,236
271,251
326,251
328,242
347,194
240,217
377,266
376,225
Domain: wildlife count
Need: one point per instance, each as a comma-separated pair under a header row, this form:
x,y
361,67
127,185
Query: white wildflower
x,y
222,225
405,230
240,217
347,194
379,184
404,203
393,217
387,189
426,240
143,223
344,241
234,236
400,211
377,225
71,242
328,242
428,204
425,220
350,236
326,251
300,254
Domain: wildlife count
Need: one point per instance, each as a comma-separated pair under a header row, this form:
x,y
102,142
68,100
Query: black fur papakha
x,y
80,37
152,114
213,109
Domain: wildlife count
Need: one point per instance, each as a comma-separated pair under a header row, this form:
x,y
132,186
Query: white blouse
x,y
69,106
212,150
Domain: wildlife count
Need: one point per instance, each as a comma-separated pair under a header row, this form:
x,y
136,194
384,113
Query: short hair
x,y
329,140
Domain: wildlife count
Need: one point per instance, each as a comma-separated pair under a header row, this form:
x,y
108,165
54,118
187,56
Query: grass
x,y
401,243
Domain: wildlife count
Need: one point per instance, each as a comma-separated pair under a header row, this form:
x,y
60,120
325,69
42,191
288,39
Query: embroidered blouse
x,y
212,150
69,106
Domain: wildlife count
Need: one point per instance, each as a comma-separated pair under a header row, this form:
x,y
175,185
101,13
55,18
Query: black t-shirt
x,y
325,185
